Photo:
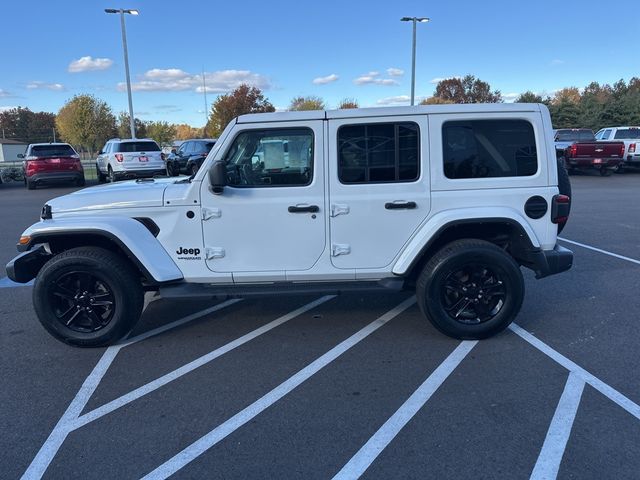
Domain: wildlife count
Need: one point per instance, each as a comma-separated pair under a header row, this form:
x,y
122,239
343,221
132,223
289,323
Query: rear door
x,y
378,188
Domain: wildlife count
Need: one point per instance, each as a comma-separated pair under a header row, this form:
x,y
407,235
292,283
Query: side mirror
x,y
173,150
21,155
218,177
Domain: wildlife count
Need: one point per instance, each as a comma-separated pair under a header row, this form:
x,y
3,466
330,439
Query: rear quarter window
x,y
138,147
489,149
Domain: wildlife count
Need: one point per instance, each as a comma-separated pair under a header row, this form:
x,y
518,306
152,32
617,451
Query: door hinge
x,y
339,209
338,249
214,252
209,213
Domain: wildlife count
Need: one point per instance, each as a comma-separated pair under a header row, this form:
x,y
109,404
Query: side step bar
x,y
206,290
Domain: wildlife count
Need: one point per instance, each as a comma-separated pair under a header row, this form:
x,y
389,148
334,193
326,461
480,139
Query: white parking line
x,y
191,366
65,426
200,446
599,250
608,391
383,437
555,443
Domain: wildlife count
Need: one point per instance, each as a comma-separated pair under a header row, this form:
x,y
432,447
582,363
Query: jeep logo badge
x,y
188,253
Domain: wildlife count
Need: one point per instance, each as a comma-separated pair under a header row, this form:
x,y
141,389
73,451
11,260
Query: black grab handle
x,y
400,206
305,209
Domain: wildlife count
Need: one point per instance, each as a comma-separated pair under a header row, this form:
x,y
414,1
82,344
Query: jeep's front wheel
x,y
470,289
88,297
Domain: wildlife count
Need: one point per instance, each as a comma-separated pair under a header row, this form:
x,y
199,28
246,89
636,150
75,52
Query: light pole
x,y
122,11
413,51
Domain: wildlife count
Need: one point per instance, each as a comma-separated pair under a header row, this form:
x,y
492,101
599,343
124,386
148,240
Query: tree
x,y
162,132
86,122
569,94
30,127
242,100
348,103
467,90
124,127
185,132
306,103
435,101
529,97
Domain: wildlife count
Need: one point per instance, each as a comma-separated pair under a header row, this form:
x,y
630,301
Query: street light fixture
x,y
413,51
122,11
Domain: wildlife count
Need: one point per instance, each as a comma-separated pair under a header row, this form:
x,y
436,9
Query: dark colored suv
x,y
189,157
48,163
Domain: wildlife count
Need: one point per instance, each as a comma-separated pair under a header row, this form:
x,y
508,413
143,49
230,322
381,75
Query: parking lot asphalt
x,y
346,386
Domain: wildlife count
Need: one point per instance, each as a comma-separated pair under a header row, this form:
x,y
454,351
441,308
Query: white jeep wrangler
x,y
446,200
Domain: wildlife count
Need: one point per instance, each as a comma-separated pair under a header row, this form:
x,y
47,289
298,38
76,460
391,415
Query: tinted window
x,y
606,134
52,151
138,147
376,153
489,148
575,136
263,158
628,134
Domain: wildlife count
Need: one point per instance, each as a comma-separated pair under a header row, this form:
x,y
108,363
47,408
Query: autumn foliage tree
x,y
86,122
242,100
307,103
348,103
30,127
124,127
185,132
467,90
162,132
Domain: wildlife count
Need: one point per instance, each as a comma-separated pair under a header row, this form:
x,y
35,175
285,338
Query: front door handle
x,y
400,205
304,209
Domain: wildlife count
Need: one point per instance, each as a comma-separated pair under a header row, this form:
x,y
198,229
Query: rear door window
x,y
628,134
489,148
142,146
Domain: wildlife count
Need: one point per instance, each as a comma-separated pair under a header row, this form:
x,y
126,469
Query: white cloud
x,y
373,78
556,61
510,97
437,80
177,80
395,72
4,93
88,63
4,108
324,80
38,85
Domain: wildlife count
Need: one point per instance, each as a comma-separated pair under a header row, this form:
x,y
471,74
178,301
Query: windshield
x,y
138,147
628,134
52,151
575,136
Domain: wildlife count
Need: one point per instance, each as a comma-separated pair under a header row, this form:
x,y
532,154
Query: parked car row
x,y
611,149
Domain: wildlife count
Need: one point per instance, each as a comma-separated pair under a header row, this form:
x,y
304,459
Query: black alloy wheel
x,y
81,301
473,294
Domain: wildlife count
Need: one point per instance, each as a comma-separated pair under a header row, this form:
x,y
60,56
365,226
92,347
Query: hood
x,y
129,194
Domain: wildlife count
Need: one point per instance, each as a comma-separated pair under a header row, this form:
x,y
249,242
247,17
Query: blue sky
x,y
356,49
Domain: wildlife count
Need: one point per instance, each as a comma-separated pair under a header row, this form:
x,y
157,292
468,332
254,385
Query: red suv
x,y
46,163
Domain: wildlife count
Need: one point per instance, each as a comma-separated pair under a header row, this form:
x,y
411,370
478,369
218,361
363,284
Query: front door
x,y
378,189
270,218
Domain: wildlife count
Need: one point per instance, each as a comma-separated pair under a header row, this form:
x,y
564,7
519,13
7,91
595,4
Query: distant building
x,y
10,149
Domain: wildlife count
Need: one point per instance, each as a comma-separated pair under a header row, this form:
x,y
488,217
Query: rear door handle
x,y
400,205
304,209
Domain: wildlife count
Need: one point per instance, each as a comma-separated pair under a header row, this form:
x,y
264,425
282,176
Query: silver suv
x,y
133,158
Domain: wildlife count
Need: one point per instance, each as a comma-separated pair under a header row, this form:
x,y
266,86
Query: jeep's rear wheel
x,y
470,289
88,297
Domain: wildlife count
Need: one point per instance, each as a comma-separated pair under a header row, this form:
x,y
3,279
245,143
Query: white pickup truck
x,y
631,138
449,201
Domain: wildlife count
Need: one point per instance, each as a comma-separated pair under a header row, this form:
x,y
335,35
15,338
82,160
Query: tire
x,y
193,169
111,177
619,168
61,283
494,299
605,172
564,187
80,182
171,171
101,176
30,185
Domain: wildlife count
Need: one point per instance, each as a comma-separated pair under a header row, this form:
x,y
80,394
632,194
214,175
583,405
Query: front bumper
x,y
549,262
25,267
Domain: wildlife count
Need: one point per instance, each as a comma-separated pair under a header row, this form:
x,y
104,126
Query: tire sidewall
x,y
504,267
